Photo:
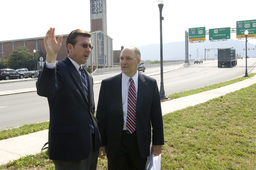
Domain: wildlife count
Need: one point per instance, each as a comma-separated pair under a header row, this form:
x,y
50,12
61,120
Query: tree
x,y
3,63
22,57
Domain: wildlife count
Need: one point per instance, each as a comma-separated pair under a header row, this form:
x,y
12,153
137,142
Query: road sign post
x,y
41,62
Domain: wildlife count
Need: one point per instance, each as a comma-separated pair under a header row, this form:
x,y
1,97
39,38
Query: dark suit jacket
x,y
70,112
148,112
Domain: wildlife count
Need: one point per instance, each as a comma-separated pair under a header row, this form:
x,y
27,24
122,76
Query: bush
x,y
22,57
4,63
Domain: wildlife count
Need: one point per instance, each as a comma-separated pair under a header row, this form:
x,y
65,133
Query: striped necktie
x,y
131,108
83,77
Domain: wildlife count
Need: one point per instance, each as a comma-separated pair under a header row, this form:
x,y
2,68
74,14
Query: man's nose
x,y
88,49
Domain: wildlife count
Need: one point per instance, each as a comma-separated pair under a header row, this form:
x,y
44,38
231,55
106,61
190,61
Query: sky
x,y
129,22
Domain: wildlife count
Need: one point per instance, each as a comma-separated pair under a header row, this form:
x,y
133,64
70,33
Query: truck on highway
x,y
227,57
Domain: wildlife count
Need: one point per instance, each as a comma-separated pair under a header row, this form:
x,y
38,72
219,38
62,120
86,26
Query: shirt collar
x,y
77,66
126,78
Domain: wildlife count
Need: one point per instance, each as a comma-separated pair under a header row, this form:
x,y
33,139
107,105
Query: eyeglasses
x,y
86,46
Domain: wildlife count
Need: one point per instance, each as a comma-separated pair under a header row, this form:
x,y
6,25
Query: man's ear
x,y
139,60
69,47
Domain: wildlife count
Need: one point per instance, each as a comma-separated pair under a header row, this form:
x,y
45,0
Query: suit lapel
x,y
76,77
117,86
141,90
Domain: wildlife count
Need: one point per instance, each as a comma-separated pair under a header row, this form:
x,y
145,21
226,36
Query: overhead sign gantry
x,y
249,25
197,34
219,33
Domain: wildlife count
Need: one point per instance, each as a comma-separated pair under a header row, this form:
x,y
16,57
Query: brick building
x,y
101,56
6,47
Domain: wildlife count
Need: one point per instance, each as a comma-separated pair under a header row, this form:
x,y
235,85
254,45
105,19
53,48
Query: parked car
x,y
8,73
25,73
198,61
34,73
141,67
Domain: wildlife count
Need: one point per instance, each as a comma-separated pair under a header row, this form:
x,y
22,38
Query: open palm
x,y
52,46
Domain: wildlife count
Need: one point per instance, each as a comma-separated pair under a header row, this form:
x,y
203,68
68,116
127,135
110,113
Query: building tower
x,y
98,15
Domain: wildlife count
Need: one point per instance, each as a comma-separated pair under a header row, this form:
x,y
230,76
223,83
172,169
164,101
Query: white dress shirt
x,y
125,86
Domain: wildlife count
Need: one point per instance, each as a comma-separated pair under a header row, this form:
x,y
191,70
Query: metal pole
x,y
205,54
162,92
186,48
35,60
246,73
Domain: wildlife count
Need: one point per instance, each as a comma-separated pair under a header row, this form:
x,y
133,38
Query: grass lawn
x,y
218,134
23,130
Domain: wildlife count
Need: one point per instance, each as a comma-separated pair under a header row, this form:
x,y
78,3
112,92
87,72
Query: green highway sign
x,y
219,33
249,25
197,34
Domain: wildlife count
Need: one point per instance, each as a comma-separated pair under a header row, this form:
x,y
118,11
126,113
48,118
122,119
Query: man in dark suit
x,y
74,137
125,116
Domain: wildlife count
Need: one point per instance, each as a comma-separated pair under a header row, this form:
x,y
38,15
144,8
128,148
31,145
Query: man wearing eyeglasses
x,y
73,133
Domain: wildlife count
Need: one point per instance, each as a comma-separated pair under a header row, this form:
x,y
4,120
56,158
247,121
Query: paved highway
x,y
201,75
26,108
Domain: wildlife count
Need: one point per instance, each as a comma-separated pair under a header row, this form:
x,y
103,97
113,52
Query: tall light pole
x,y
34,51
162,92
246,34
186,48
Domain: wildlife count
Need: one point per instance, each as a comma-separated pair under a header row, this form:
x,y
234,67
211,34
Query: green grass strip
x,y
218,134
23,130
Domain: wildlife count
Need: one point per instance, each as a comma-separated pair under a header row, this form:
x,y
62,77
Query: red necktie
x,y
131,109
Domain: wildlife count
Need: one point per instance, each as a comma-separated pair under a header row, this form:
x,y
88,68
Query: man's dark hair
x,y
72,36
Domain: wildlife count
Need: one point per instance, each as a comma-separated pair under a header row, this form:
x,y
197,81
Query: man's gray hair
x,y
136,51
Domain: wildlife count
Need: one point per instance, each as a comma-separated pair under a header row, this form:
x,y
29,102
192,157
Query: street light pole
x,y
34,51
246,34
162,92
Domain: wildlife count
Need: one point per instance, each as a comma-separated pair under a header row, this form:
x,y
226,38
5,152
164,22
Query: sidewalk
x,y
14,148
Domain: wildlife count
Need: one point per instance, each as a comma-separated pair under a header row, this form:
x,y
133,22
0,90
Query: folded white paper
x,y
153,163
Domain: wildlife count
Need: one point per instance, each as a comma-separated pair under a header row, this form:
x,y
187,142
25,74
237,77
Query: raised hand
x,y
51,45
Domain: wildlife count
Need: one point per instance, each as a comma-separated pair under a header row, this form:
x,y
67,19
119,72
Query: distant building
x,y
98,15
102,54
31,43
116,56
